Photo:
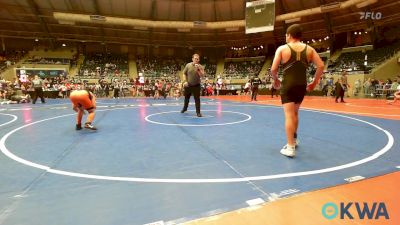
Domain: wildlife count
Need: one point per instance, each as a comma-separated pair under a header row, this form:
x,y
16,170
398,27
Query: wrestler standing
x,y
295,57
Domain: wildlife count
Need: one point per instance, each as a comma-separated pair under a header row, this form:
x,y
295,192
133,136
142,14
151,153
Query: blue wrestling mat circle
x,y
210,118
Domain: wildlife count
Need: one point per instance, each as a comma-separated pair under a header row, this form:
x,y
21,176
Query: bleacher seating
x,y
158,68
210,70
40,60
9,58
355,61
243,69
101,65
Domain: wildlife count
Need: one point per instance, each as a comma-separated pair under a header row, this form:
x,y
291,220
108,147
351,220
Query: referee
x,y
255,81
37,84
192,73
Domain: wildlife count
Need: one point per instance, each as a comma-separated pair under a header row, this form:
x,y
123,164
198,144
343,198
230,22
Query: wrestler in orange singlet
x,y
83,100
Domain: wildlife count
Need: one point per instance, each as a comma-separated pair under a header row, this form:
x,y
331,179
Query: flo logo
x,y
370,15
355,210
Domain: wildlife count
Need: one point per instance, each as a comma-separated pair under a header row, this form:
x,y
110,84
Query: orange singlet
x,y
82,98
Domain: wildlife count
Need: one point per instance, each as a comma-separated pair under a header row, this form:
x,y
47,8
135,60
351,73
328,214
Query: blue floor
x,y
148,162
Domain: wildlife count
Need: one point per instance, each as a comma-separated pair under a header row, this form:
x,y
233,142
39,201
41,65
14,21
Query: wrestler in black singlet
x,y
294,81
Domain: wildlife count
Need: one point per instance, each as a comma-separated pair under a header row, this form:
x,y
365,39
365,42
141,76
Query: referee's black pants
x,y
38,93
195,91
254,92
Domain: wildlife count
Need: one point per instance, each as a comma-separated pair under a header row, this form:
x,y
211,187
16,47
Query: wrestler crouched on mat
x,y
83,100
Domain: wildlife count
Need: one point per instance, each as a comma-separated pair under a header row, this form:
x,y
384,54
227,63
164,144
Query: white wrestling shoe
x,y
288,151
90,126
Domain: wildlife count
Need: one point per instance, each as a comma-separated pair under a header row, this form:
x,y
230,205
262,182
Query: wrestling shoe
x,y
288,151
90,126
